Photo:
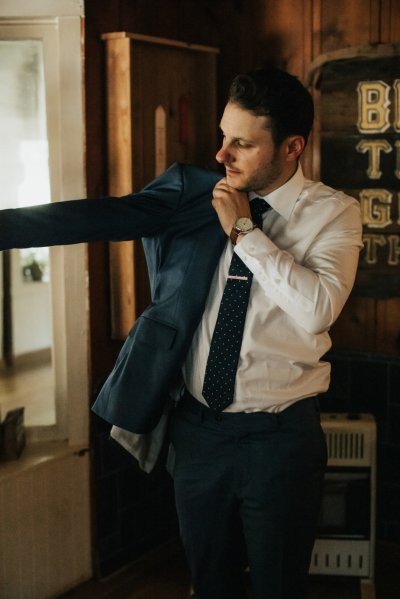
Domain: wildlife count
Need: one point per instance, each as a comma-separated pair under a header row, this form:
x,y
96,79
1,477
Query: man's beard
x,y
264,178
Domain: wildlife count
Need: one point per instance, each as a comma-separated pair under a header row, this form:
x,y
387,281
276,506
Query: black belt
x,y
196,407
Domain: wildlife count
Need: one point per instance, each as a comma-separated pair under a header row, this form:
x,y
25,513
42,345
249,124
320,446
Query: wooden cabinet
x,y
161,98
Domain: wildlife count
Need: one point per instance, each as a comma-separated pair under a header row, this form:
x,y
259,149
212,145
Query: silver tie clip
x,y
238,277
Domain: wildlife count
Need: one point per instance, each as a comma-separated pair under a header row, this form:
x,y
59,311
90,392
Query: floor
x,y
163,575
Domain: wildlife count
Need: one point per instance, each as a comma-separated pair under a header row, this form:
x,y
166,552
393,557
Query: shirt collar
x,y
285,197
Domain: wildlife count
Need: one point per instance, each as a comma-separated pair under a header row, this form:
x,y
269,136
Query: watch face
x,y
244,224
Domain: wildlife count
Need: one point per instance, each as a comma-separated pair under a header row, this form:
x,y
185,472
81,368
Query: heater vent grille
x,y
349,442
346,446
341,558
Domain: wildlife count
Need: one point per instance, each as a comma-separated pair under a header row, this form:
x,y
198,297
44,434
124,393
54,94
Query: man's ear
x,y
295,145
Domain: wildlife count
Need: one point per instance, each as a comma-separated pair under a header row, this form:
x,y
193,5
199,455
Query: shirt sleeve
x,y
313,287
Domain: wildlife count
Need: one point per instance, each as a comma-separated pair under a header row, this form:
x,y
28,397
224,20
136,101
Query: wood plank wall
x,y
224,24
294,33
290,32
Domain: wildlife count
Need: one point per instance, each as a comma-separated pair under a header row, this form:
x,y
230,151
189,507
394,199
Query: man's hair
x,y
272,92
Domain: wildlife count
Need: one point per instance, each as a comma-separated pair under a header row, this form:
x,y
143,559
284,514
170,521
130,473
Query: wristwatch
x,y
242,226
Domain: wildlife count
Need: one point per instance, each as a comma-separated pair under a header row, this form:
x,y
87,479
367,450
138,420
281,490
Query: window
x,y
27,375
44,55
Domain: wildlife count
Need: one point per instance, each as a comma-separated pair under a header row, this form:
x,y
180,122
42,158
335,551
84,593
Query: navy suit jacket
x,y
182,240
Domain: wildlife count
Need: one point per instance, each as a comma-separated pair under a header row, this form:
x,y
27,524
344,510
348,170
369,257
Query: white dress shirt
x,y
304,263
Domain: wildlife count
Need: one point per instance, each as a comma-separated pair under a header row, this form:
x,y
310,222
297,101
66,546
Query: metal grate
x,y
341,557
350,441
345,446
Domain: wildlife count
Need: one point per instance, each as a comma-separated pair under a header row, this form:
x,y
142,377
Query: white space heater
x,y
345,541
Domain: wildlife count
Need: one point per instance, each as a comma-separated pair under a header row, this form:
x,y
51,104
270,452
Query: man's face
x,y
251,160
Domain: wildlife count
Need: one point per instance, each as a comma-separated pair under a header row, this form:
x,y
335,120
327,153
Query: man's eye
x,y
241,144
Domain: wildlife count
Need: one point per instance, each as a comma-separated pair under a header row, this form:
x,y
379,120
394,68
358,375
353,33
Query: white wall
x,y
45,524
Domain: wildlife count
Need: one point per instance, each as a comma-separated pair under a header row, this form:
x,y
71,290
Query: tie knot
x,y
258,206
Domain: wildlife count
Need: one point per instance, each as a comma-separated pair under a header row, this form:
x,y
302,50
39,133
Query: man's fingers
x,y
222,185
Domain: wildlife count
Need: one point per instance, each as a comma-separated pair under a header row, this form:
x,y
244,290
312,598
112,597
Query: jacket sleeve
x,y
129,217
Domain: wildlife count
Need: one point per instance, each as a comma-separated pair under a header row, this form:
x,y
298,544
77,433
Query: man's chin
x,y
236,181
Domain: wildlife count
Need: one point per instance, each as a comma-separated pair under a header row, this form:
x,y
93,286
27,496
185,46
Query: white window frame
x,y
60,25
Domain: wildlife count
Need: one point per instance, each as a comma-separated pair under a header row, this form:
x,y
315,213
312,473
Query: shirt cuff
x,y
254,244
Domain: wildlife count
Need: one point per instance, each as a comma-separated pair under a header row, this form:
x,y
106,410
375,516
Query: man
x,y
256,469
244,291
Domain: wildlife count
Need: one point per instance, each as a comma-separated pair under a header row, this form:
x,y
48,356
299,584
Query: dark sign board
x,y
360,154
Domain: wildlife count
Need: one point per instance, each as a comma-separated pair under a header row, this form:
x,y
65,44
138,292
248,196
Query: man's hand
x,y
230,204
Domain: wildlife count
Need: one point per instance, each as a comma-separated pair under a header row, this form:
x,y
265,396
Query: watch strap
x,y
234,234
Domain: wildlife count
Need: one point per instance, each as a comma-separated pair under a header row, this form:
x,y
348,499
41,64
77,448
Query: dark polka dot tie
x,y
220,375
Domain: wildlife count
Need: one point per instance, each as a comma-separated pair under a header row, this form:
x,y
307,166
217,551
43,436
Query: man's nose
x,y
222,156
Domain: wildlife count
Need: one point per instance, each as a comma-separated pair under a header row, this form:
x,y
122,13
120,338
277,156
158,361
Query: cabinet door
x,y
161,109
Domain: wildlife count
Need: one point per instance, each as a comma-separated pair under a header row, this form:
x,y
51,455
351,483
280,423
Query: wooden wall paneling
x,y
345,23
314,163
375,21
164,80
144,74
173,80
99,14
355,329
296,23
120,135
227,24
283,33
308,40
315,32
246,33
388,326
284,36
390,21
309,155
157,17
